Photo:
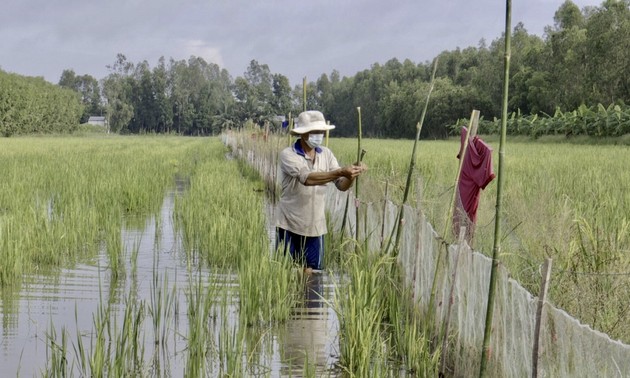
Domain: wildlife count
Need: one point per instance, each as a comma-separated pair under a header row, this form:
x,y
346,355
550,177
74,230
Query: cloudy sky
x,y
297,38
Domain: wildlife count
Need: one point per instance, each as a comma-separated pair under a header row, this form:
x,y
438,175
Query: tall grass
x,y
378,321
61,197
564,201
221,219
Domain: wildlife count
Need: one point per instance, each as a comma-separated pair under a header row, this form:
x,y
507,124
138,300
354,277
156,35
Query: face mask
x,y
315,140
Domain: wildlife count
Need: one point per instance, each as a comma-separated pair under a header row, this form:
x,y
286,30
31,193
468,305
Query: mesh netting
x,y
567,347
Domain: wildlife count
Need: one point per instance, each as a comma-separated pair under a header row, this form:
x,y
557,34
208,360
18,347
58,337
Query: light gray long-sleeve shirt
x,y
301,208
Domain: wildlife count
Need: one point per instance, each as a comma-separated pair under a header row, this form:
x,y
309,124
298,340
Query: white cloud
x,y
294,38
201,49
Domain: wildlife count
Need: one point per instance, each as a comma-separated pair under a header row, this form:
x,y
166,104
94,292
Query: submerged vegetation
x,y
67,199
379,324
85,191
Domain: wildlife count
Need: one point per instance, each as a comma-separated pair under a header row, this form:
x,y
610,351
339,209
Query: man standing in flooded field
x,y
306,167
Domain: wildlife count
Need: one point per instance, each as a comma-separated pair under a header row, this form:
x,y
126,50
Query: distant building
x,y
97,120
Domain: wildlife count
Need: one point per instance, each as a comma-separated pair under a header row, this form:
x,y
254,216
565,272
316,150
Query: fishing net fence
x,y
567,348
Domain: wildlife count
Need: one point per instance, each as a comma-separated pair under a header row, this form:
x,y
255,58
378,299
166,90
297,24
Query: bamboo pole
x,y
360,154
485,352
542,297
356,183
290,127
304,94
384,209
460,243
412,163
438,263
344,220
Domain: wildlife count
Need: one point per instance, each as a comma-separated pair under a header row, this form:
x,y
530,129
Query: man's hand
x,y
352,171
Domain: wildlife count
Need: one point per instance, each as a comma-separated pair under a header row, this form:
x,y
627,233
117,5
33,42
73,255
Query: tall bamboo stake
x,y
460,243
412,163
342,231
497,218
290,127
356,183
474,117
384,209
304,94
542,297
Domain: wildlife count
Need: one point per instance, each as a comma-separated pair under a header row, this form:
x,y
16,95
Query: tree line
x,y
582,60
33,105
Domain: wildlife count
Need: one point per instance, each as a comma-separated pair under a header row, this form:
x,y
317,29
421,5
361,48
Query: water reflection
x,y
309,346
70,298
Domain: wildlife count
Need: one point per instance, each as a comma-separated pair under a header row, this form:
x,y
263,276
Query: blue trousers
x,y
305,250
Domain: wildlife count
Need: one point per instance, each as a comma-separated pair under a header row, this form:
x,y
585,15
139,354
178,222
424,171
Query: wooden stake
x,y
542,297
460,243
471,131
438,262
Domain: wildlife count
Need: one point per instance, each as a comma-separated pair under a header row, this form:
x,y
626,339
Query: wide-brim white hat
x,y
311,120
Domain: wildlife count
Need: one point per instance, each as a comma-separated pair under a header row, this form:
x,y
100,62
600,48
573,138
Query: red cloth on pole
x,y
476,174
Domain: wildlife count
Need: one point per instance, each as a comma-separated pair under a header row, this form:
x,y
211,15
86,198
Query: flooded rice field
x,y
61,313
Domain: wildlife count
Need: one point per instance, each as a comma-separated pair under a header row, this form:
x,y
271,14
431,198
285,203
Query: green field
x,y
569,202
66,199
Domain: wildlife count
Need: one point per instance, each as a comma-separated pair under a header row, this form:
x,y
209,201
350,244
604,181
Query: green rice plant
x,y
402,333
80,351
128,353
97,359
220,219
134,258
409,343
199,338
251,304
359,307
161,307
259,350
593,281
11,265
69,194
57,354
309,369
282,287
112,351
267,288
115,253
231,350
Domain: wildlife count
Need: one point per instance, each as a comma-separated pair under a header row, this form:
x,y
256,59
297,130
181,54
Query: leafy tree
x,y
143,100
89,89
163,106
32,105
255,92
567,63
179,84
282,102
117,90
608,51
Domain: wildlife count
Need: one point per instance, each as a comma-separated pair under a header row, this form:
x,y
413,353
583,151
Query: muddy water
x,y
70,299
